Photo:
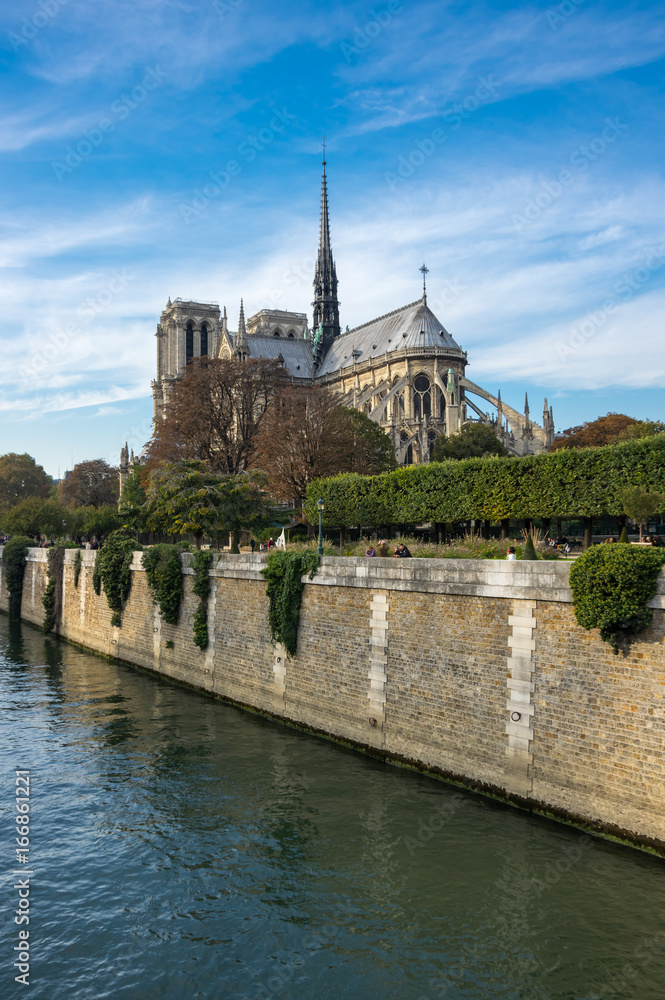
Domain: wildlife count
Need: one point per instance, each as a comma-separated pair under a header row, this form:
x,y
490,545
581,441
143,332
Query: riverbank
x,y
473,670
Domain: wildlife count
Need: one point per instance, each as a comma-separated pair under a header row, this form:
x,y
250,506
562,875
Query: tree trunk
x,y
197,539
486,529
342,536
505,527
439,529
235,538
310,531
588,532
527,524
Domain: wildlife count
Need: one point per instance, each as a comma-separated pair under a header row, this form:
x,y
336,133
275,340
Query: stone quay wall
x,y
475,670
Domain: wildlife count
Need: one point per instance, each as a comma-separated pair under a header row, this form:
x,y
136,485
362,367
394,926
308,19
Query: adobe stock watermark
x,y
248,150
581,159
224,7
560,14
119,110
378,20
454,117
39,361
30,26
624,289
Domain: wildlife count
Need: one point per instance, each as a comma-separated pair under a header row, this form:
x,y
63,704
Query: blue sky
x,y
516,149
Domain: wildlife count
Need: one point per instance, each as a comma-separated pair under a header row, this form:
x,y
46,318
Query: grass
x,y
471,546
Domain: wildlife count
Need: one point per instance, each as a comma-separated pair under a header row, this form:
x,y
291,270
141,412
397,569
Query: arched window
x,y
189,343
422,397
431,438
277,334
291,335
408,456
204,340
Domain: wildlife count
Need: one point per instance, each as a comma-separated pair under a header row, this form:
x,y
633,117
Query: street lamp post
x,y
320,507
64,529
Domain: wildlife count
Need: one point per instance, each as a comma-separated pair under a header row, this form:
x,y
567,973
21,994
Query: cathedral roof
x,y
296,354
412,326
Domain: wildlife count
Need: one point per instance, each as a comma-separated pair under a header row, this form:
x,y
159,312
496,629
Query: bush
x,y
112,571
201,563
163,570
611,586
13,559
284,574
528,552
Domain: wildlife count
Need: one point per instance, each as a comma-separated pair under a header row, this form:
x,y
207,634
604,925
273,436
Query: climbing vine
x,y
52,598
163,569
284,574
78,562
201,563
112,570
612,585
13,559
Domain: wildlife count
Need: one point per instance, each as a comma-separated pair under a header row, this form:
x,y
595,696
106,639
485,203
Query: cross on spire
x,y
424,270
323,143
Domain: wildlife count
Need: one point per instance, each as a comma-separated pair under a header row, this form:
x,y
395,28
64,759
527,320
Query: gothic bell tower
x,y
326,306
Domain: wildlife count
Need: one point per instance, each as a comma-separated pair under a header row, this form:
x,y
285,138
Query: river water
x,y
182,848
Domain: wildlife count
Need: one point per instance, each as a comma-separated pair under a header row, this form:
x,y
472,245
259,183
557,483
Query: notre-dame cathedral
x,y
403,369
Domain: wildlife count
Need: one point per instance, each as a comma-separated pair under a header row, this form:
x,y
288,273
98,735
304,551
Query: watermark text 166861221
x,y
22,885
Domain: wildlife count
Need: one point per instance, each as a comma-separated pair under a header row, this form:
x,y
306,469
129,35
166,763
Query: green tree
x,y
642,429
100,521
35,516
641,504
21,477
186,497
361,445
472,441
131,505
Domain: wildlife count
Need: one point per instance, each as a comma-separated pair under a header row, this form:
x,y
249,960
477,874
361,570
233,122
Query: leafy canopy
x,y
21,477
90,484
472,441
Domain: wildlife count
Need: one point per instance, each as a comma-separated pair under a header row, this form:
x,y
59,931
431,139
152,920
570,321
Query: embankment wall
x,y
472,669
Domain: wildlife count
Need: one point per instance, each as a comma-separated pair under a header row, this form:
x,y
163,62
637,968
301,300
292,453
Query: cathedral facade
x,y
403,369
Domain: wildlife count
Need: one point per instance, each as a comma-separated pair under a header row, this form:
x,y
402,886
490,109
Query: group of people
x,y
399,552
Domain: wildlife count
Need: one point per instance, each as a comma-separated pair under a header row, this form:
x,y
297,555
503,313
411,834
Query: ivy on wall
x,y
78,562
163,569
52,597
284,574
612,585
587,482
13,559
113,572
201,563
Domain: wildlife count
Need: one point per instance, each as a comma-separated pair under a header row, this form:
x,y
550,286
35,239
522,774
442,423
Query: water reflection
x,y
185,848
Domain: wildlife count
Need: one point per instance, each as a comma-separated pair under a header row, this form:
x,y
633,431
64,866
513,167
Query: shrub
x,y
13,558
623,537
528,552
284,574
201,563
113,572
611,586
163,570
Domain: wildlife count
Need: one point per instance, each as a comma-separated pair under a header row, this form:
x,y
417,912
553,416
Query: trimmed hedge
x,y
588,482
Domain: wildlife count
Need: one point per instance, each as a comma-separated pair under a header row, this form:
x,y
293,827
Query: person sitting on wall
x,y
371,551
383,549
396,552
511,555
404,552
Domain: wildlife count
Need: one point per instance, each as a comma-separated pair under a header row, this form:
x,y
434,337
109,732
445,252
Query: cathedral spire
x,y
326,305
241,344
